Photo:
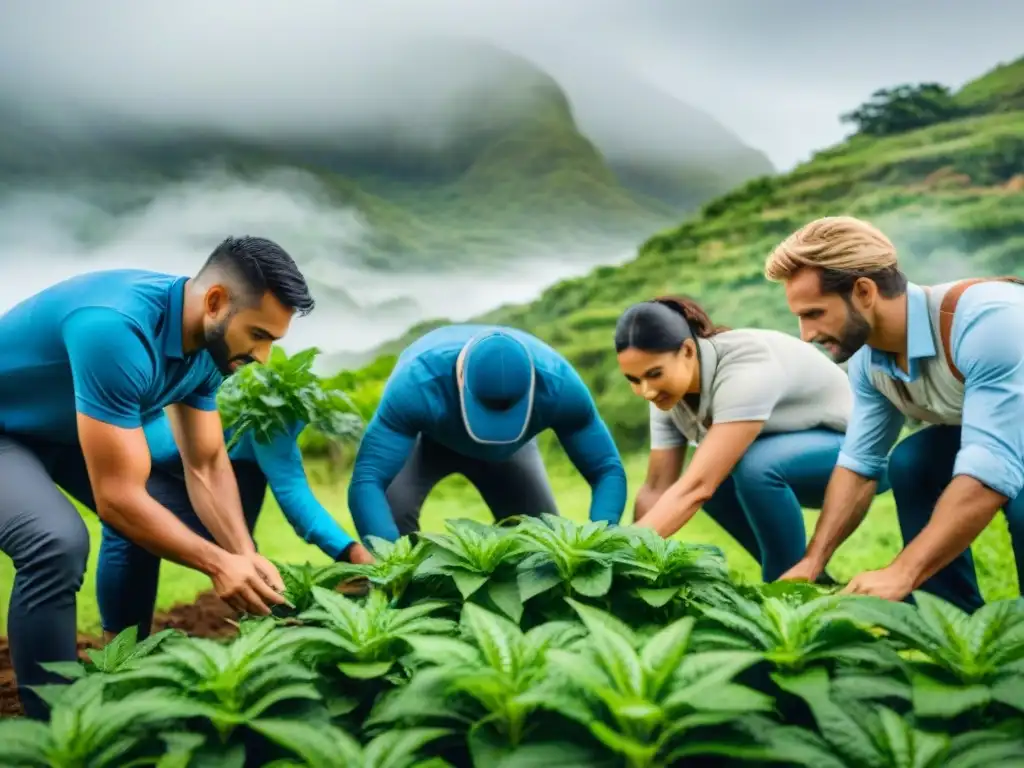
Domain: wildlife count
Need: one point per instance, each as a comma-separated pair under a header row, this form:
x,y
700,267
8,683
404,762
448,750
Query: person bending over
x,y
86,363
766,411
949,355
471,399
127,575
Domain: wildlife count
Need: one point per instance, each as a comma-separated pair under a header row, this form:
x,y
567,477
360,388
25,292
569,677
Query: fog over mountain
x,y
522,141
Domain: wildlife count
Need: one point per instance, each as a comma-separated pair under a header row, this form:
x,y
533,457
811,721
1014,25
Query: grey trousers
x,y
516,486
42,532
45,537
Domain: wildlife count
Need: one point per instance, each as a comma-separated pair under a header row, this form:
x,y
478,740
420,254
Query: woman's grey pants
x,y
516,486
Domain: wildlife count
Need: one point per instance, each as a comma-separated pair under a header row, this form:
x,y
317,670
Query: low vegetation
x,y
547,642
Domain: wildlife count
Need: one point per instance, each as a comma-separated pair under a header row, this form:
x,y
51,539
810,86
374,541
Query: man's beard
x,y
854,335
220,352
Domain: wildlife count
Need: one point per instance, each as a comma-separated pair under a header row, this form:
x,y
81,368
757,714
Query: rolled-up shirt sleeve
x,y
987,345
875,423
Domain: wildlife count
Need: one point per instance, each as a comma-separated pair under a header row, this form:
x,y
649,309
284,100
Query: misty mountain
x,y
485,155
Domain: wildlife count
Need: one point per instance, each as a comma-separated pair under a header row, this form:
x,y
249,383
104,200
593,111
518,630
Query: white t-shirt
x,y
752,374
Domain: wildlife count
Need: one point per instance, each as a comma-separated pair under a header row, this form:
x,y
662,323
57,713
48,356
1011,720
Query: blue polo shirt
x,y
987,345
105,344
422,397
280,460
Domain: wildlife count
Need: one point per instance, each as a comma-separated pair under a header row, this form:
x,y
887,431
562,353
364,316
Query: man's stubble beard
x,y
217,346
855,335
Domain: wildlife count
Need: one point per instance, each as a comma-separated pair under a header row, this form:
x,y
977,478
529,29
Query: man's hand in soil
x,y
239,582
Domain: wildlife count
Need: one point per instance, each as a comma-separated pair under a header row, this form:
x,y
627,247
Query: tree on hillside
x,y
903,108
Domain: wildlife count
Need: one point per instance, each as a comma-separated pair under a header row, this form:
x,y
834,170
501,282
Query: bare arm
x,y
965,508
118,463
847,500
663,468
209,478
712,462
875,423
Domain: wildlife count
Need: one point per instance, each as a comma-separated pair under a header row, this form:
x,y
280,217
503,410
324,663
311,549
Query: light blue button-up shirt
x,y
987,345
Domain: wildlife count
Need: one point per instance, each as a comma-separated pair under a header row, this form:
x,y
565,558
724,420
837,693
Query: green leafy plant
x,y
854,735
481,562
358,646
230,685
396,565
484,683
547,642
654,705
300,578
664,570
790,635
958,663
272,399
571,559
122,653
330,747
86,731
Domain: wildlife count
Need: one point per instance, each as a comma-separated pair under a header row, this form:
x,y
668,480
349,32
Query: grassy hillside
x,y
951,195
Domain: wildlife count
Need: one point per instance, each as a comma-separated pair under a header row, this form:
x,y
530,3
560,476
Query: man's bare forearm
x,y
847,500
965,508
143,520
213,491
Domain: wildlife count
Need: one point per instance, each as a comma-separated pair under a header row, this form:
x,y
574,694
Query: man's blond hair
x,y
839,243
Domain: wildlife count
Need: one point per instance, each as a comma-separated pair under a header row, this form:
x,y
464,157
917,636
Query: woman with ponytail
x,y
766,411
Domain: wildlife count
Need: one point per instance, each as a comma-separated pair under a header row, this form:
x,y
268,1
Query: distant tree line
x,y
904,108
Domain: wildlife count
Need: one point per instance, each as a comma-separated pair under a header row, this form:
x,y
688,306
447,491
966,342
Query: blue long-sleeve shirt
x,y
988,347
281,462
421,397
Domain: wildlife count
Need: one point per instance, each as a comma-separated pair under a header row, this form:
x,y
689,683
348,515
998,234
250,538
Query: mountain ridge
x,y
949,194
522,170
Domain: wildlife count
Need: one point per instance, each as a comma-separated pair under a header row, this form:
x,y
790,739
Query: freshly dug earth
x,y
206,617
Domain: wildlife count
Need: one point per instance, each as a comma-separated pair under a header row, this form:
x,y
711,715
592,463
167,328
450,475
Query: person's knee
x,y
56,558
908,470
756,470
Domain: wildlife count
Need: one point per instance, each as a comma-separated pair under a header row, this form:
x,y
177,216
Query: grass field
x,y
872,546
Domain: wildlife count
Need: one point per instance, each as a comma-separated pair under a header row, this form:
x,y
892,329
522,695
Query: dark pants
x,y
920,468
761,502
42,532
516,486
127,576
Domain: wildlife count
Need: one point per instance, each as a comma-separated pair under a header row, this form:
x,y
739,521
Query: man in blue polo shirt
x,y
949,355
86,363
471,399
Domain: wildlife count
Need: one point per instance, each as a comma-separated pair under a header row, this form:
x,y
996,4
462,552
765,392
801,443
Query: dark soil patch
x,y
206,617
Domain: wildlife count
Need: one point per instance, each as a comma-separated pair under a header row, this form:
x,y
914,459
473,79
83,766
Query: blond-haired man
x,y
949,355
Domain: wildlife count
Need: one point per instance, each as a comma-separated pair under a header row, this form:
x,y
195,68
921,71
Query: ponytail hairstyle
x,y
663,324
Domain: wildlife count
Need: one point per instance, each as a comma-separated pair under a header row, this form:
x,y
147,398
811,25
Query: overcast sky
x,y
776,72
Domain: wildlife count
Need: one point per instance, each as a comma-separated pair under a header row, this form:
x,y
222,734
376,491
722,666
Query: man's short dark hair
x,y
890,281
261,265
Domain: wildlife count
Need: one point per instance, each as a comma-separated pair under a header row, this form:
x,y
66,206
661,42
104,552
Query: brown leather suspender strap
x,y
949,307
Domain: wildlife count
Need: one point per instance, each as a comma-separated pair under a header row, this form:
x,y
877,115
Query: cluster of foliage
x,y
284,396
904,108
549,643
